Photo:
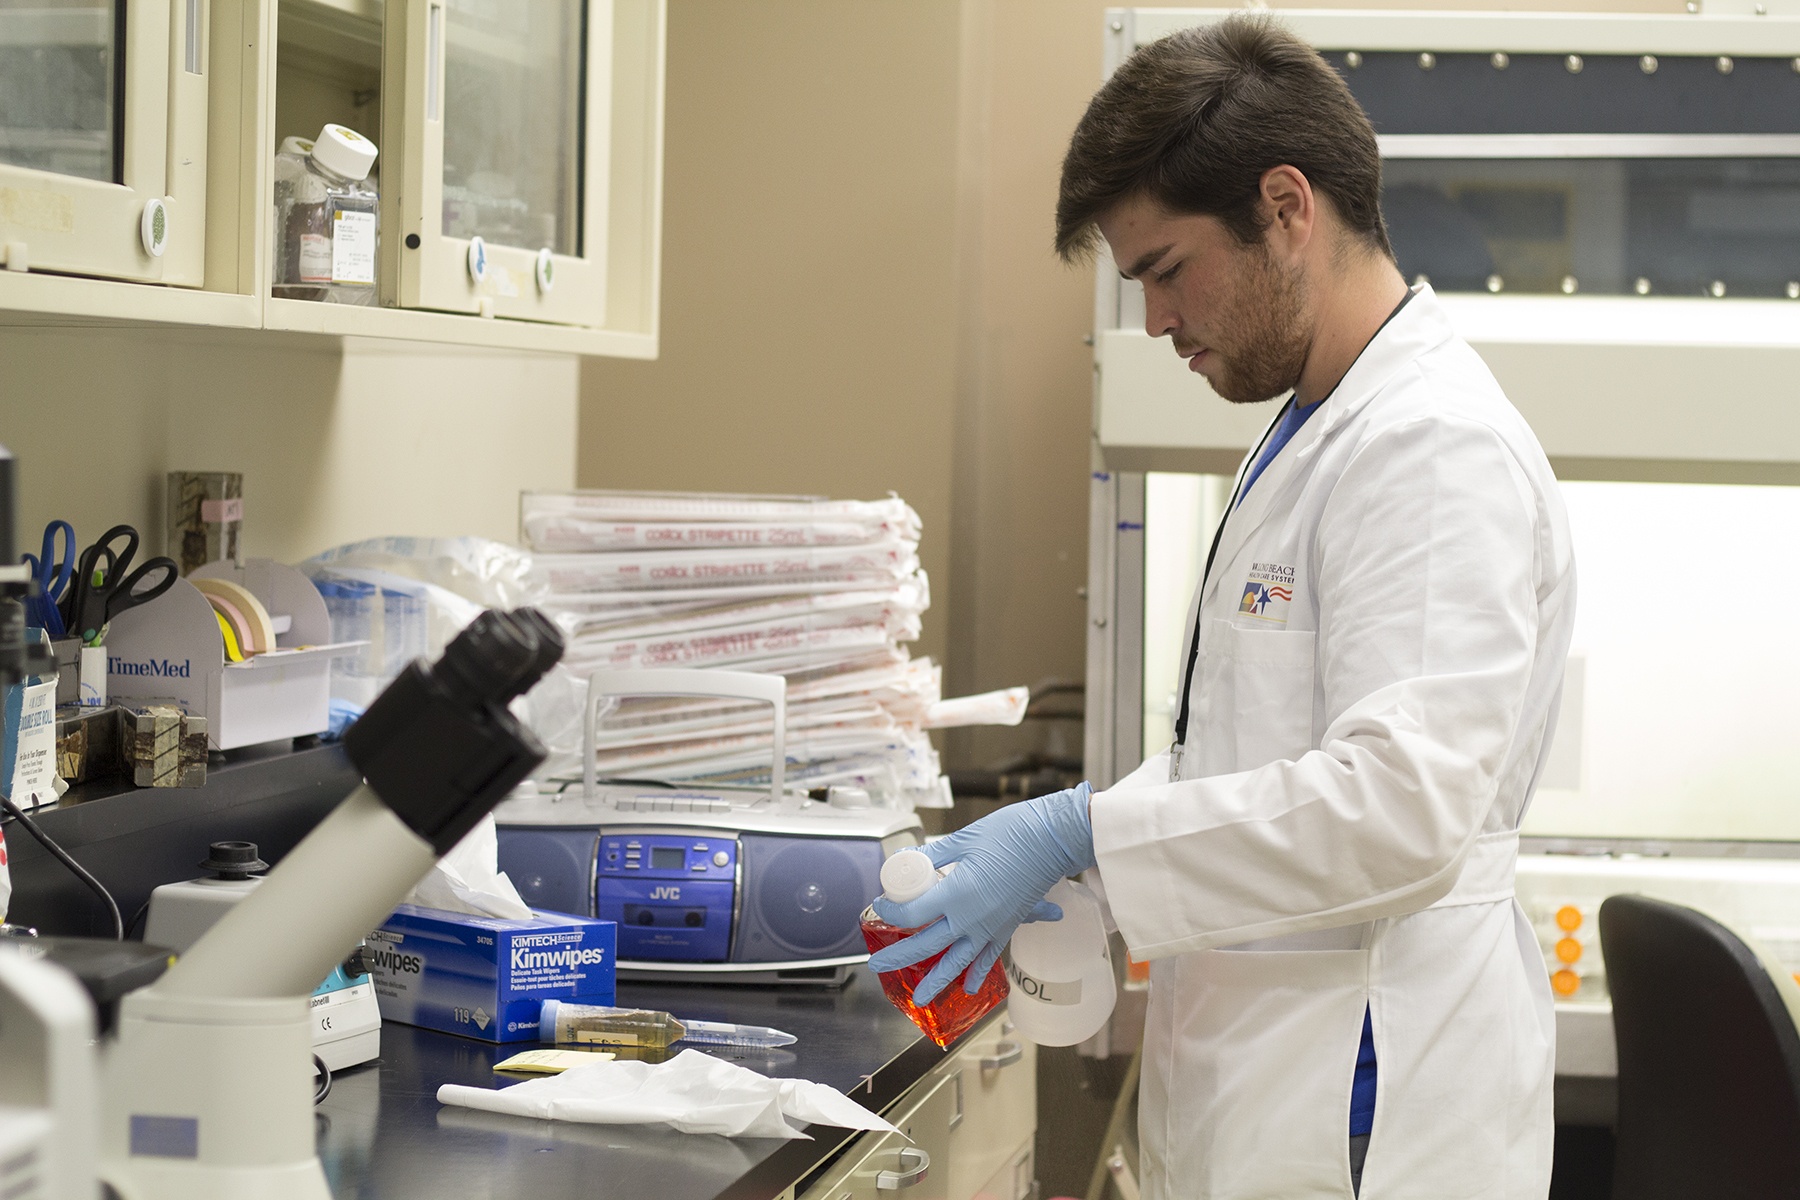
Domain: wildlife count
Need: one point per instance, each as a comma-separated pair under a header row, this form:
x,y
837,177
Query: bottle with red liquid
x,y
905,876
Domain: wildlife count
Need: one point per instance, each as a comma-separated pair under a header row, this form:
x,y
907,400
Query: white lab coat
x,y
1344,830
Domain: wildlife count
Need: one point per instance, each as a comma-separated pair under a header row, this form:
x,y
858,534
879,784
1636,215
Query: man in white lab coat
x,y
1344,997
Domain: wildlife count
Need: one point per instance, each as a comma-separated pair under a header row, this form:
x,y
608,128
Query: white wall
x,y
337,440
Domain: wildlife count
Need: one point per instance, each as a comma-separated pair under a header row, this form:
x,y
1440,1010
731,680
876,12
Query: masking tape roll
x,y
232,653
235,620
258,627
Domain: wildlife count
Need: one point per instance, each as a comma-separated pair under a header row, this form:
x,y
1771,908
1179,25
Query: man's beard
x,y
1262,344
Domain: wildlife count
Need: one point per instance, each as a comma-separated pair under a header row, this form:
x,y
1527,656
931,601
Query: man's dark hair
x,y
1193,120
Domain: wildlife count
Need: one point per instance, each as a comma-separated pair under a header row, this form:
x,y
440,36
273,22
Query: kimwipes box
x,y
485,977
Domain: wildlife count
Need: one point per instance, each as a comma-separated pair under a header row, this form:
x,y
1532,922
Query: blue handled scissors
x,y
52,575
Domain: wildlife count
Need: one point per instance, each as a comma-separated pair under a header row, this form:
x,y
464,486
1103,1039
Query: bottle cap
x,y
344,152
907,875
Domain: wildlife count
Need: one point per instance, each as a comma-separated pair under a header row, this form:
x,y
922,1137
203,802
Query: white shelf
x,y
28,299
36,299
305,316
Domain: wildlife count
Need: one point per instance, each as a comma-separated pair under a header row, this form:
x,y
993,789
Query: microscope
x,y
204,1089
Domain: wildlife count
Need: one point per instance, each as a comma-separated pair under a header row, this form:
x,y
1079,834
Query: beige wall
x,y
848,310
336,440
808,314
829,324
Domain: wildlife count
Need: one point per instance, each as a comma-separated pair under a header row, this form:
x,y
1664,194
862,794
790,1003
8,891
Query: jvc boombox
x,y
718,884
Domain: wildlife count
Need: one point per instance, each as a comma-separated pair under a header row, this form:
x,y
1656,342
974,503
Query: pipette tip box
x,y
485,977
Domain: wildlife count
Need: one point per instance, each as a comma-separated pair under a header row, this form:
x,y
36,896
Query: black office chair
x,y
1709,1059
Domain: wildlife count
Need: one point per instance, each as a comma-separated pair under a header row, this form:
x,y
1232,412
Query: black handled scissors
x,y
103,589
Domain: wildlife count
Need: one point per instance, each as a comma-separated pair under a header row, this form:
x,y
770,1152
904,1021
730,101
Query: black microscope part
x,y
438,746
233,860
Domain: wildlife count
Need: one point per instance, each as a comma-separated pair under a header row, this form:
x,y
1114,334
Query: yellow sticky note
x,y
551,1062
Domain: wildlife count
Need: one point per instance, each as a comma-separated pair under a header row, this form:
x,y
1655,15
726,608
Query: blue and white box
x,y
485,977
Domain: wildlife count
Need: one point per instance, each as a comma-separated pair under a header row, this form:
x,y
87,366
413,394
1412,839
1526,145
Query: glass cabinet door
x,y
501,122
103,137
62,69
513,155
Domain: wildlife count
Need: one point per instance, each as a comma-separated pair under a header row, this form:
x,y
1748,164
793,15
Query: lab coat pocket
x,y
1270,1039
1272,684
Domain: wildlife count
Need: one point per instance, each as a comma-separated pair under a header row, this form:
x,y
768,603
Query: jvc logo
x,y
667,892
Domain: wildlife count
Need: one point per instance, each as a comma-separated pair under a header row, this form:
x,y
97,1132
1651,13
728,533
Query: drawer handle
x,y
914,1165
1005,1055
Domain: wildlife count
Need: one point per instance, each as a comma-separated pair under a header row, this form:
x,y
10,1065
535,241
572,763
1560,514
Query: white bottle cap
x,y
344,152
907,875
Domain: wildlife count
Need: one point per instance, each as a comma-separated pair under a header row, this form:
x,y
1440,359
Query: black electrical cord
x,y
324,1088
62,856
131,926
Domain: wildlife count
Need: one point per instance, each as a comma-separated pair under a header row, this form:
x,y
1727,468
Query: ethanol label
x,y
1061,993
352,247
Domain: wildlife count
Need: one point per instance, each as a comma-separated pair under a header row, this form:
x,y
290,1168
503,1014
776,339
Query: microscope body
x,y
207,1086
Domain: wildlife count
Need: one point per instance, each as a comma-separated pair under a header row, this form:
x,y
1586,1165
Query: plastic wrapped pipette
x,y
597,1025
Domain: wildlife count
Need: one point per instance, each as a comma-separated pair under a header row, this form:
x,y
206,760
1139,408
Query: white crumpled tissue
x,y
692,1092
469,879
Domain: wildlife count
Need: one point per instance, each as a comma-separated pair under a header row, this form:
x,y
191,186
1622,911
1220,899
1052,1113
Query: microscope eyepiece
x,y
438,746
484,663
499,656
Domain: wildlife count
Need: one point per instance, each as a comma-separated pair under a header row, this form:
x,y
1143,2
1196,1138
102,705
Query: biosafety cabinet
x,y
1609,207
519,172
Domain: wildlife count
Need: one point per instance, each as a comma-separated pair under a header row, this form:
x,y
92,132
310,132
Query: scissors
x,y
52,575
103,589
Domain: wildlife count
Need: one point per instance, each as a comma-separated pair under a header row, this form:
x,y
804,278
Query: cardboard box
x,y
486,978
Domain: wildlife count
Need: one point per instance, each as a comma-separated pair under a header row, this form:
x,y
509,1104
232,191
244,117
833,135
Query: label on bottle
x,y
353,247
1061,993
315,258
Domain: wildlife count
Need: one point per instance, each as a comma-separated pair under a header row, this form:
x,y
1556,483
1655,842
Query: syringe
x,y
597,1025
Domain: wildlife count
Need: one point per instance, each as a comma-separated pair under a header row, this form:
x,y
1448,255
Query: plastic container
x,y
1060,971
391,617
907,875
326,218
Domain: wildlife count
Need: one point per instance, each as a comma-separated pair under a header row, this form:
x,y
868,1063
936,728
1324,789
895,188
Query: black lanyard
x,y
1193,661
1187,683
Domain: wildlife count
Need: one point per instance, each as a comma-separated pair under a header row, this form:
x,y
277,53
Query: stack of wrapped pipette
x,y
824,592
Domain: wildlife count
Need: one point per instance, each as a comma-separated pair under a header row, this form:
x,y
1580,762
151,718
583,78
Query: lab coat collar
x,y
1419,327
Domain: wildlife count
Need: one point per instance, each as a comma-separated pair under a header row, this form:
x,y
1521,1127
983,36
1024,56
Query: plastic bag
x,y
491,574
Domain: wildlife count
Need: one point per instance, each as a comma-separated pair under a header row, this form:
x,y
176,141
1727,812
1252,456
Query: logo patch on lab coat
x,y
1268,592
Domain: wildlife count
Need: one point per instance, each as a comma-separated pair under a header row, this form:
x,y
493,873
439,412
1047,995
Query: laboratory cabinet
x,y
968,1128
103,117
519,170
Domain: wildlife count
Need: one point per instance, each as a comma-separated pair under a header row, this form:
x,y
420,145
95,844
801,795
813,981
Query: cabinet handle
x,y
1005,1055
914,1165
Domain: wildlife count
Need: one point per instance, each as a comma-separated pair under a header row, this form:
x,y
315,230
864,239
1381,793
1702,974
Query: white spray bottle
x,y
1061,972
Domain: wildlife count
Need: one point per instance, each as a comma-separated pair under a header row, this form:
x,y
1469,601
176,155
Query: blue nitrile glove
x,y
1005,862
